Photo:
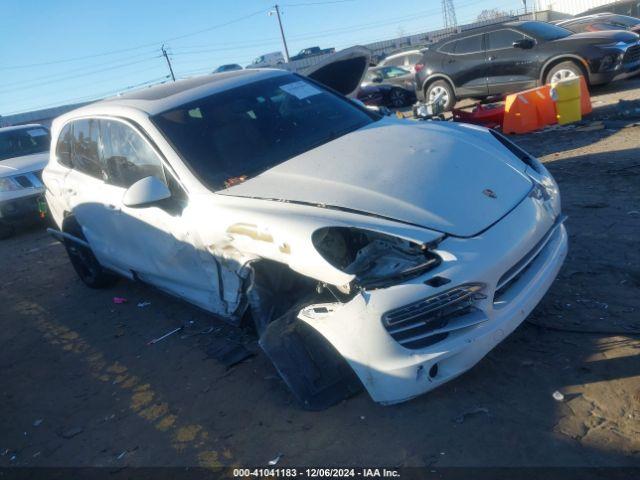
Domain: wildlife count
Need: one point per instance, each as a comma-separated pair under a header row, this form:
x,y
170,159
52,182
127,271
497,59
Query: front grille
x,y
632,55
426,322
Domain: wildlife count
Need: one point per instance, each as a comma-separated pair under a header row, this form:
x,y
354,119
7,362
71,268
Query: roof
x,y
159,98
484,28
21,127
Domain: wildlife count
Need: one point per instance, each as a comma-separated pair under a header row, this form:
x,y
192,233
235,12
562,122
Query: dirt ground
x,y
80,385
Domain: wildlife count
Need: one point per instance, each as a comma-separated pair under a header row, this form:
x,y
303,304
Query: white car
x,y
408,59
24,152
368,251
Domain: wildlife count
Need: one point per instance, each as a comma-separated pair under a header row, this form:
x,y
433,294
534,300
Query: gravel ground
x,y
81,387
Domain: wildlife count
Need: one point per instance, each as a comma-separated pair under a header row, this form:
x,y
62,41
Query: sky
x,y
55,52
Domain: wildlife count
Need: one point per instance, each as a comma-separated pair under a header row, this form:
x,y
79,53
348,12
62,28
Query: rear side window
x,y
63,148
469,45
502,39
85,158
127,156
413,59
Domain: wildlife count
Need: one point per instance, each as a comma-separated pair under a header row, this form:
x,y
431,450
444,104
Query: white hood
x,y
24,164
436,175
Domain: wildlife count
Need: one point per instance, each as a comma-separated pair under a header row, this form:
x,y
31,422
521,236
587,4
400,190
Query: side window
x,y
413,59
471,44
63,148
395,62
448,47
127,156
85,156
502,39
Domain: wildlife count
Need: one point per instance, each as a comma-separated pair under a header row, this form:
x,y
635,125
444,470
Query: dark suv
x,y
512,56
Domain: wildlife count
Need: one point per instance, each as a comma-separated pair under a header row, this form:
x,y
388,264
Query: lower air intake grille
x,y
429,321
632,55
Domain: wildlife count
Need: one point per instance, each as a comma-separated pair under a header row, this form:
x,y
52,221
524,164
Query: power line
x,y
310,4
94,96
86,74
113,52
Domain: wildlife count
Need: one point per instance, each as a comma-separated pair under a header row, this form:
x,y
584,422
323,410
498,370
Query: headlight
x,y
375,259
613,45
8,184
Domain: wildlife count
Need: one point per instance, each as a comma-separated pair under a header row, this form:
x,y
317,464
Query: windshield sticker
x,y
300,89
37,133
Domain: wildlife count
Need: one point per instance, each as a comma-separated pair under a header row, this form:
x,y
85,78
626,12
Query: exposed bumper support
x,y
62,236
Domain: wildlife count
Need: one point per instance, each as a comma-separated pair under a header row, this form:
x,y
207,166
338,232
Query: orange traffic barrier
x,y
585,98
536,104
545,107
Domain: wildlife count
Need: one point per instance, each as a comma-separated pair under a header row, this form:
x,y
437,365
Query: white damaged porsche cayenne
x,y
367,251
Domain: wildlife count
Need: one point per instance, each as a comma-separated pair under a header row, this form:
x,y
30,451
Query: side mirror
x,y
145,192
524,43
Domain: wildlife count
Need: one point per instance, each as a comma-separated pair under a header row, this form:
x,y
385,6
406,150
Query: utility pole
x,y
164,52
284,40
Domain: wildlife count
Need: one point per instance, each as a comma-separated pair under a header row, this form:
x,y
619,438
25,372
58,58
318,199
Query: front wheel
x,y
442,89
397,98
562,71
85,263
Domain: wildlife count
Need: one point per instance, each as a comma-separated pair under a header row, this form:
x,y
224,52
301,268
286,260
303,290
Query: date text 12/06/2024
x,y
316,472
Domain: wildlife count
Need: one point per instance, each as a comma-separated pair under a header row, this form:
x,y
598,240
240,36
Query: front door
x,y
509,69
155,242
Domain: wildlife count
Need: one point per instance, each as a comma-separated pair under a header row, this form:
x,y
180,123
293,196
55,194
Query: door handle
x,y
491,58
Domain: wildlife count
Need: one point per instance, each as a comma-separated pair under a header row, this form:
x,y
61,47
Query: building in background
x,y
570,7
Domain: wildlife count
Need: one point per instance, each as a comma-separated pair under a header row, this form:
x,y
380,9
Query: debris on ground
x,y
629,108
121,456
471,413
37,422
228,353
557,396
276,459
72,432
590,127
159,339
143,304
119,300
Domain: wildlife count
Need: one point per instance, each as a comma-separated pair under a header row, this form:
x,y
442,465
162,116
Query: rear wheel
x,y
562,71
443,89
84,261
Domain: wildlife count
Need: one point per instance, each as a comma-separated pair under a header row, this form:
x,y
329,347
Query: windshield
x,y
233,135
621,21
544,31
23,141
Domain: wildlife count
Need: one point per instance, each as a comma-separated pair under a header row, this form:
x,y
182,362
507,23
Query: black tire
x,y
84,261
567,66
397,98
441,84
6,231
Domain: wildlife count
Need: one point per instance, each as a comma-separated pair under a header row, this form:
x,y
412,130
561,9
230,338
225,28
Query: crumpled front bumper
x,y
392,373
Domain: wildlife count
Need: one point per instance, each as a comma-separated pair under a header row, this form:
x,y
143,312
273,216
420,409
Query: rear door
x,y
509,69
90,199
466,65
